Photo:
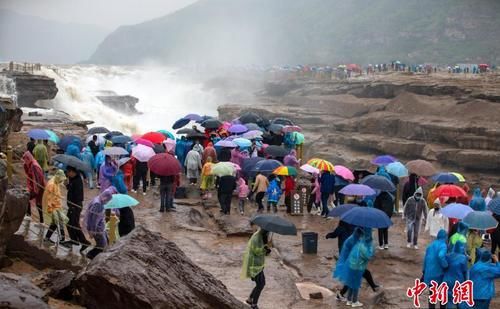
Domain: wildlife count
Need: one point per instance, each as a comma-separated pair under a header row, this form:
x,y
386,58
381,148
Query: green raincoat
x,y
41,156
253,259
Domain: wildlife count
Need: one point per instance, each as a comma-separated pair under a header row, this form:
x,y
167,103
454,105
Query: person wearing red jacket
x,y
289,188
128,172
35,182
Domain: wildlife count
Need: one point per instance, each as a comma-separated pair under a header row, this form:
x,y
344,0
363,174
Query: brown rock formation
x,y
30,88
10,120
144,270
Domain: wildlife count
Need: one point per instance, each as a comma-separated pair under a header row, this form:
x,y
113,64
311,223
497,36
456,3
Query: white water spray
x,y
8,88
163,95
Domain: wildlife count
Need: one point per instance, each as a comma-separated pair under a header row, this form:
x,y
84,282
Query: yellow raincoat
x,y
254,256
52,200
207,180
41,155
474,241
112,229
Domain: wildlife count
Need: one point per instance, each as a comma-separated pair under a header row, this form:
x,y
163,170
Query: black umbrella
x,y
283,121
159,148
195,135
250,117
73,162
111,134
67,140
276,151
253,126
275,128
186,131
203,118
180,123
97,130
275,224
211,124
249,164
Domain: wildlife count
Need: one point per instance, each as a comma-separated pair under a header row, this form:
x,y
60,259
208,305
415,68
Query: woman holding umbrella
x,y
253,264
106,173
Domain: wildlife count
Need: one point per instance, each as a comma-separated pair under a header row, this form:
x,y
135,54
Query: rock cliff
x,y
10,120
30,88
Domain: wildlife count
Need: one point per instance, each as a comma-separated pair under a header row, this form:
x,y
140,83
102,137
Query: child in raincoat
x,y
207,179
273,194
253,264
53,214
243,192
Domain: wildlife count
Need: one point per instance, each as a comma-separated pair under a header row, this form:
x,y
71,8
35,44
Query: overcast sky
x,y
107,13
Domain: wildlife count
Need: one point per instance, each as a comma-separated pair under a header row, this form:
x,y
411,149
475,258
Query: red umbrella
x,y
154,137
164,164
449,191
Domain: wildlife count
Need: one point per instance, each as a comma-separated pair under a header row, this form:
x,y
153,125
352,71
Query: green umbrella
x,y
121,201
53,136
224,169
167,134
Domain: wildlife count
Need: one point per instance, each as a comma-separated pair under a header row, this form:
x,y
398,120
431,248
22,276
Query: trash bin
x,y
309,243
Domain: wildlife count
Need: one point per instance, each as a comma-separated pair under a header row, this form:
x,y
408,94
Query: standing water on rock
x,y
164,95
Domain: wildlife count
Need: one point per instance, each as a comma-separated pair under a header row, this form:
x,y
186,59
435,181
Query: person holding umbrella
x,y
35,180
75,204
289,188
253,264
327,181
385,202
273,193
414,208
225,187
106,173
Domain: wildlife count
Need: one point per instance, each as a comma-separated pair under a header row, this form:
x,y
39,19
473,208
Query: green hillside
x,y
312,31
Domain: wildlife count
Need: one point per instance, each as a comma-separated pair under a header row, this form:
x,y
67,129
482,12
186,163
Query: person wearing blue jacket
x,y
273,193
435,261
327,184
457,267
88,158
73,149
339,272
98,161
477,202
483,275
356,265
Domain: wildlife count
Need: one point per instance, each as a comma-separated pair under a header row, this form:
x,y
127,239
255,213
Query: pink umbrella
x,y
226,125
288,129
344,172
310,169
145,142
142,153
169,145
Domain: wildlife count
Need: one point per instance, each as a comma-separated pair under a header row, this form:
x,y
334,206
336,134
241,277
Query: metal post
x,y
9,164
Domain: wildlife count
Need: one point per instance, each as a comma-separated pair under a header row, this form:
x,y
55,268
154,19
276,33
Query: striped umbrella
x,y
285,171
321,164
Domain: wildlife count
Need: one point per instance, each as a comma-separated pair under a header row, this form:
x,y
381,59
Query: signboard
x,y
299,200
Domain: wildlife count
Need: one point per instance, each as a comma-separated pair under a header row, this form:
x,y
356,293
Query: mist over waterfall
x,y
7,88
164,96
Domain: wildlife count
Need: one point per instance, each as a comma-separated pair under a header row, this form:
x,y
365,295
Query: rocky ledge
x,y
124,104
30,88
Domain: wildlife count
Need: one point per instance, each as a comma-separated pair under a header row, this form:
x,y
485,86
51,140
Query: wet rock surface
x,y
13,205
57,283
19,293
157,275
10,120
124,104
30,88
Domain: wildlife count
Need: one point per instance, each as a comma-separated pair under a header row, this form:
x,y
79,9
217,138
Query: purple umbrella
x,y
357,189
383,160
38,134
253,134
193,117
237,129
225,143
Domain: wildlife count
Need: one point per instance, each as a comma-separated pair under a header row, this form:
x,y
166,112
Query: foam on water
x,y
164,96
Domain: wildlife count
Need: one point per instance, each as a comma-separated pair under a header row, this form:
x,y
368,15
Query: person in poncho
x,y
253,264
193,166
207,179
41,155
52,206
35,182
94,221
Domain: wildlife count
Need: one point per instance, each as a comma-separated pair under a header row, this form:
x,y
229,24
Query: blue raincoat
x,y
340,271
88,157
119,183
477,202
74,149
435,261
99,159
273,191
483,275
357,261
457,266
381,171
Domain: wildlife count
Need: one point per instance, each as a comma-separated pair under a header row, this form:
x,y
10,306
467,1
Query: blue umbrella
x,y
120,139
397,169
249,163
266,167
456,211
340,210
193,117
445,178
121,201
383,160
480,220
180,123
494,205
67,140
378,182
367,217
203,118
225,143
358,190
242,142
38,134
